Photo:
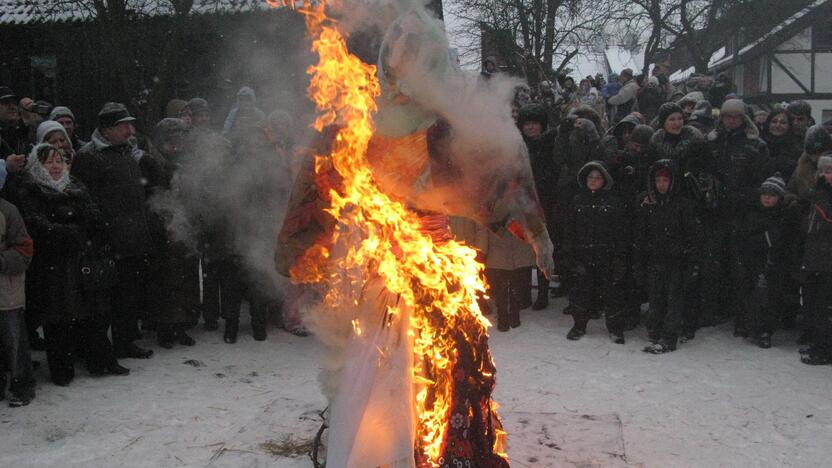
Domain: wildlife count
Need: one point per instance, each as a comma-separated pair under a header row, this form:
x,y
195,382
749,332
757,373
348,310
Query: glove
x,y
544,251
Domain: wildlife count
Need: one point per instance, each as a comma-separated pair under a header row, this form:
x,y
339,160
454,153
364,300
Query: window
x,y
822,37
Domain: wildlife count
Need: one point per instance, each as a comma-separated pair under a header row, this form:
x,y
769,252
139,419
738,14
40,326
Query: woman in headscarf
x,y
62,220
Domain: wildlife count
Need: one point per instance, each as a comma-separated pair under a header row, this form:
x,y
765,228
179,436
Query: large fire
x,y
438,278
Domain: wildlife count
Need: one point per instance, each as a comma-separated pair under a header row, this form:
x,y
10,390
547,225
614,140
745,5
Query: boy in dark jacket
x,y
15,255
595,251
664,239
817,266
763,253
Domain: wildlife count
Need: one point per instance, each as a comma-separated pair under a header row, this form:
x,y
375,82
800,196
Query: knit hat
x,y
799,107
666,110
46,127
533,113
61,111
174,108
642,134
664,172
627,72
775,185
817,140
112,114
167,128
825,161
732,106
197,105
692,97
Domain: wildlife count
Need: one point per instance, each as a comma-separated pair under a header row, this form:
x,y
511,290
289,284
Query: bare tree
x,y
547,33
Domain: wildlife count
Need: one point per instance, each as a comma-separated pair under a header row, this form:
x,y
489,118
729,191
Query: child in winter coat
x,y
15,255
508,269
817,266
664,239
595,251
762,254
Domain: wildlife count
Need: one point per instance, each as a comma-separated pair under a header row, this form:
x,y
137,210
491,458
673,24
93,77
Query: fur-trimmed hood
x,y
588,167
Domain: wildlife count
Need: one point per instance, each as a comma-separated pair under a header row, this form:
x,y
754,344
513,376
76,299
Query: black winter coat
x,y
14,139
741,162
687,148
596,230
62,226
783,154
545,171
666,228
114,180
817,257
766,238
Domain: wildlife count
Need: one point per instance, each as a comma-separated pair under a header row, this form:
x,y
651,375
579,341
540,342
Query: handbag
x,y
98,269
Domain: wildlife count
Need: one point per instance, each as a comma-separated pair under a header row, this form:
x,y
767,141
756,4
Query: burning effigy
x,y
408,373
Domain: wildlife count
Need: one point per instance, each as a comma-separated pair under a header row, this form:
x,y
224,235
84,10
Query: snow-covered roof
x,y
682,75
777,29
46,11
613,59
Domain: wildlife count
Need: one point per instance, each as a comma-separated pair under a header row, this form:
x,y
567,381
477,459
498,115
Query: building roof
x,y
25,12
781,32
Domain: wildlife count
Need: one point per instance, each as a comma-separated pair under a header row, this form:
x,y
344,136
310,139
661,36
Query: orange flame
x,y
439,280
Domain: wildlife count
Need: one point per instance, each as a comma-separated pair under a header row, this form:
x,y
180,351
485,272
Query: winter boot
x,y
687,335
617,337
164,336
514,318
764,340
132,351
116,369
258,330
542,301
577,331
183,338
232,327
21,393
815,357
664,346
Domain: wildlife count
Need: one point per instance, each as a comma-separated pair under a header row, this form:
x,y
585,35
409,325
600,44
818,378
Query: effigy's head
x,y
413,61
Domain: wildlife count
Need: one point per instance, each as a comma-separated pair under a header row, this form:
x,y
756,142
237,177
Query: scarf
x,y
41,176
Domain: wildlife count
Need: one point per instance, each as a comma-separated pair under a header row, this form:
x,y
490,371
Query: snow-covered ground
x,y
715,402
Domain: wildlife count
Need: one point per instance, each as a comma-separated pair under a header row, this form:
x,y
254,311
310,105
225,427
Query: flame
x,y
440,280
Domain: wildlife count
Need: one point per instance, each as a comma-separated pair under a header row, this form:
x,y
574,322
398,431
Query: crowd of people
x,y
682,197
88,255
677,196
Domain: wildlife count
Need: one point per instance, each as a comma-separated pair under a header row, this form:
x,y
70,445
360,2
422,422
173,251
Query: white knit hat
x,y
48,126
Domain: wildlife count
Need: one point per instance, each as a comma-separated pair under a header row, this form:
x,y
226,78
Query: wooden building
x,y
67,56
